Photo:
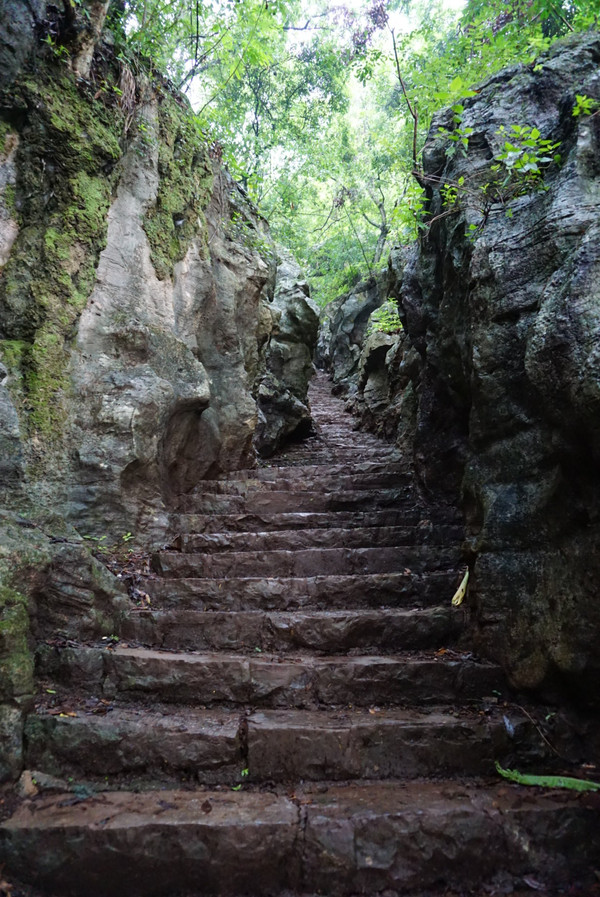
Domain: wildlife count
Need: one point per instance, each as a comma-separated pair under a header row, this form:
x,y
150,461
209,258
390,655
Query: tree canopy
x,y
321,111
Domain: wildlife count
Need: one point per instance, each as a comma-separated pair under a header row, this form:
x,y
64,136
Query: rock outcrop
x,y
493,385
344,331
137,298
283,409
503,311
50,587
18,21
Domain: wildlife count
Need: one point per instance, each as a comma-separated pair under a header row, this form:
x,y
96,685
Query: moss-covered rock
x,y
186,180
11,742
16,661
66,171
49,584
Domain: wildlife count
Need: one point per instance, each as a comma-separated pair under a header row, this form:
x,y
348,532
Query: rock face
x,y
138,317
138,309
18,19
345,328
50,585
504,313
165,368
283,408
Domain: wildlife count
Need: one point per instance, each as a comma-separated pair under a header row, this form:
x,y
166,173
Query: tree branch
x,y
413,111
372,223
364,255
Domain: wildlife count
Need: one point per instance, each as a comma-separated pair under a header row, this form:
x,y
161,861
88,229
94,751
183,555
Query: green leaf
x,y
547,781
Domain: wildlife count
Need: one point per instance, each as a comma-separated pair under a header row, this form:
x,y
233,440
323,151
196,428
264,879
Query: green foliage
x,y
519,169
59,51
459,135
384,319
525,157
547,781
186,40
323,114
585,105
451,192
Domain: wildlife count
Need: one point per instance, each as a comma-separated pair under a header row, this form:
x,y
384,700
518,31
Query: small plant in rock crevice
x,y
458,135
585,106
518,169
384,319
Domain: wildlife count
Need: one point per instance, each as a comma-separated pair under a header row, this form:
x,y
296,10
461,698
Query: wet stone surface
x,y
292,708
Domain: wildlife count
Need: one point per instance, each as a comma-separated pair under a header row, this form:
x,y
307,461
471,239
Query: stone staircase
x,y
294,710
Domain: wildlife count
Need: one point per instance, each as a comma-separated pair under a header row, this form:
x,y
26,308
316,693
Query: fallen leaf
x,y
534,883
461,591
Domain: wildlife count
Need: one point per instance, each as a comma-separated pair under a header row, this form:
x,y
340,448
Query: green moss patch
x,y
66,174
177,216
16,660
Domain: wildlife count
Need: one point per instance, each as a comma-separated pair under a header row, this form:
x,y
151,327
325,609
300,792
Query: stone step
x,y
305,562
324,592
332,632
293,540
326,470
161,745
278,502
347,446
325,458
347,839
319,482
384,517
304,681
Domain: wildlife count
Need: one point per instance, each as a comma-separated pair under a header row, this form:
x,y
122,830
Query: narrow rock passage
x,y
293,710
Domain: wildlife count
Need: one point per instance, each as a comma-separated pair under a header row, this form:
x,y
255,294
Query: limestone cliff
x,y
138,319
496,380
136,291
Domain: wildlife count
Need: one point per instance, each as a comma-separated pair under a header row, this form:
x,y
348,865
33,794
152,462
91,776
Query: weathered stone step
x,y
329,592
277,502
271,681
324,482
160,744
362,838
302,472
332,632
250,522
351,445
306,562
331,457
293,540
